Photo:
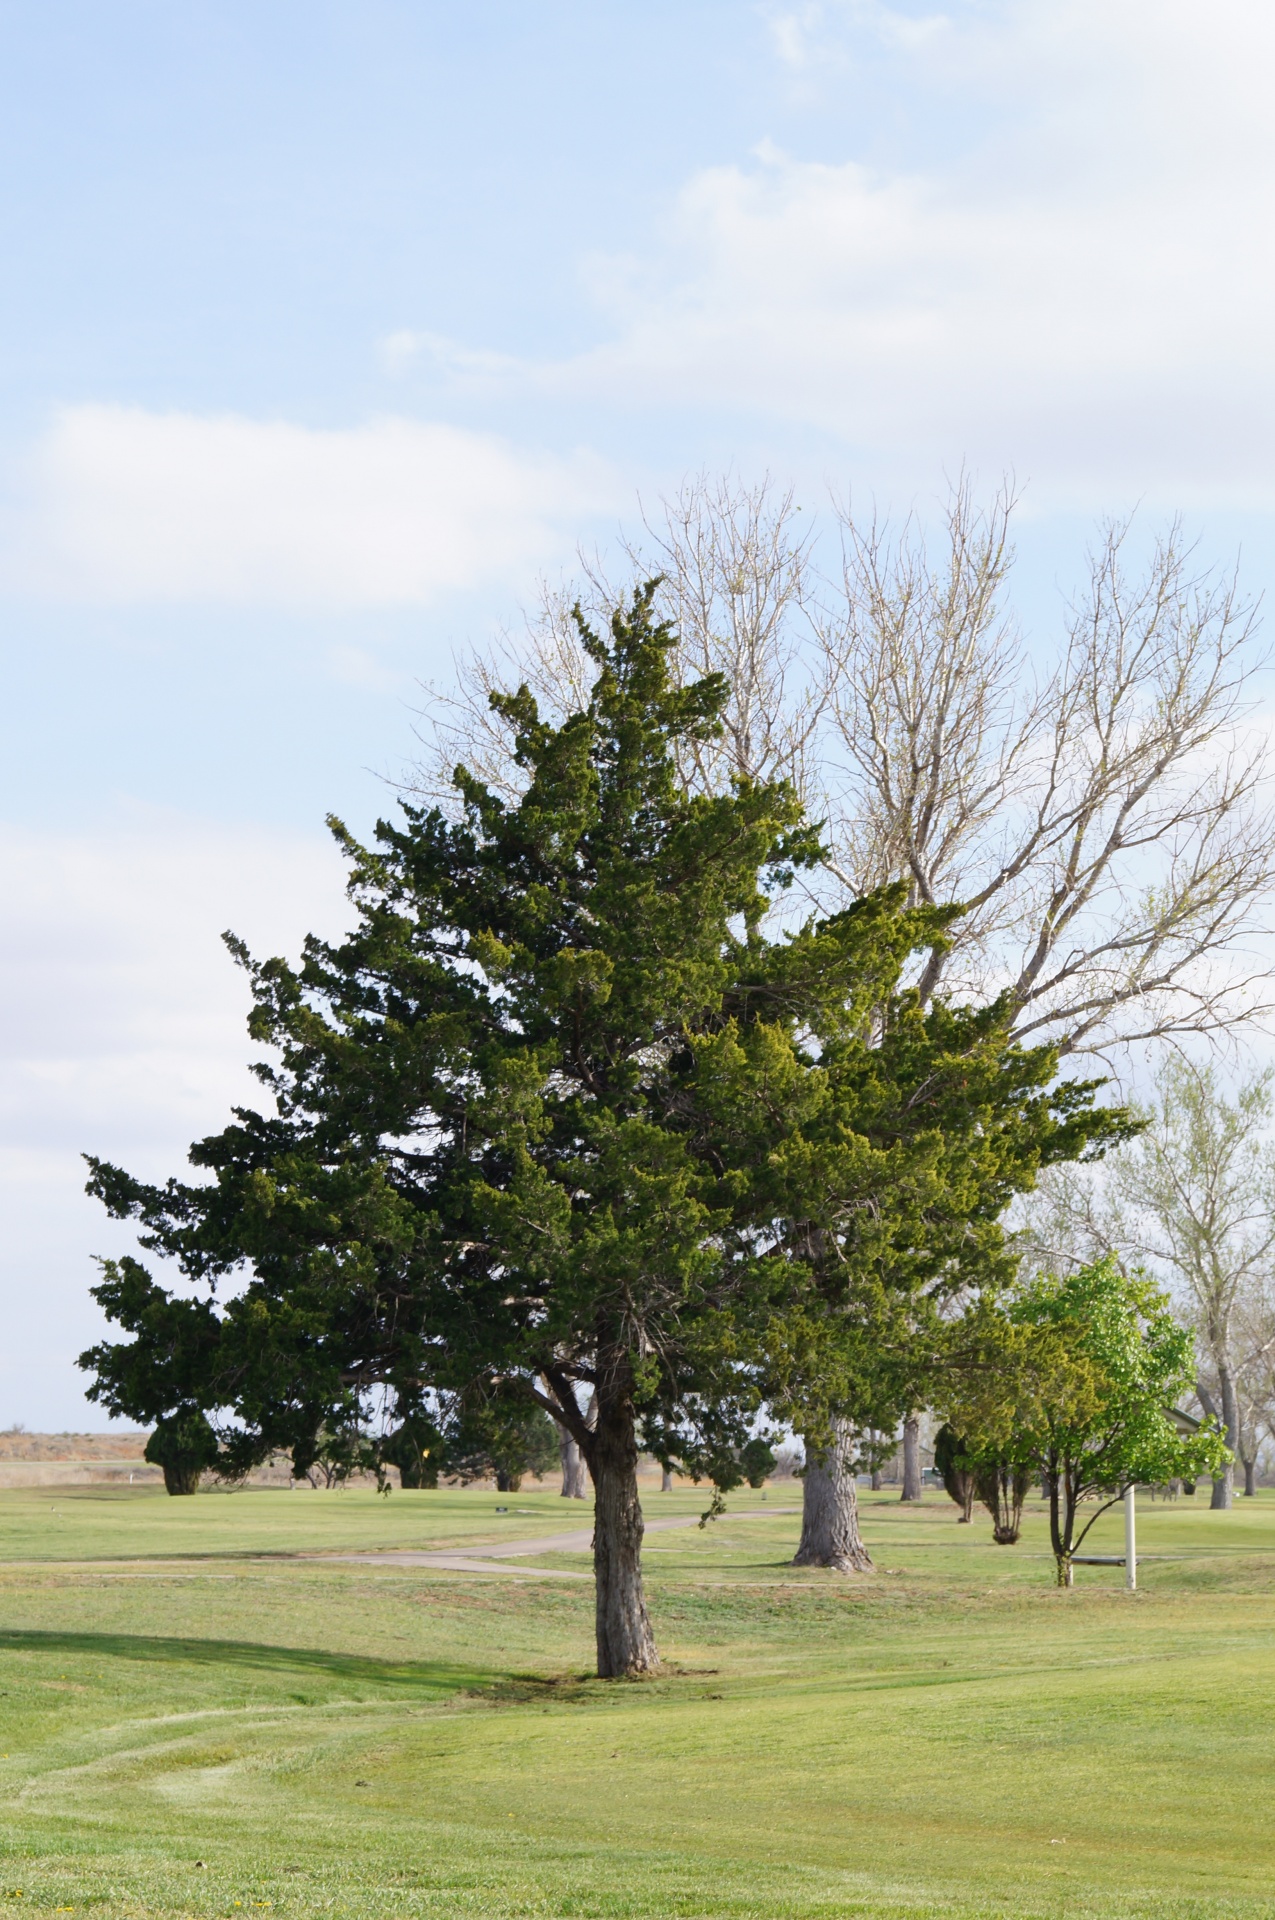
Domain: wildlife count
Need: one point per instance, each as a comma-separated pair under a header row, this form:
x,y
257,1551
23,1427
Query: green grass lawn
x,y
199,1716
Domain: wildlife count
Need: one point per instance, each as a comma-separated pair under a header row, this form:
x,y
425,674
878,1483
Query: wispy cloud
x,y
1080,284
118,504
451,359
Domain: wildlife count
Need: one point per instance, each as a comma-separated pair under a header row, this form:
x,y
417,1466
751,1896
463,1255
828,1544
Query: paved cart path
x,y
487,1559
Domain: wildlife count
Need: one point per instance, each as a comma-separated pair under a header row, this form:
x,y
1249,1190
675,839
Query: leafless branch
x,y
1104,818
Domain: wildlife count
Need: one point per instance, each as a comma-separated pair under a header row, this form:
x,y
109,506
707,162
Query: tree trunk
x,y
575,1474
1250,1478
1062,1517
626,1644
1224,1485
181,1477
830,1507
911,1458
666,1481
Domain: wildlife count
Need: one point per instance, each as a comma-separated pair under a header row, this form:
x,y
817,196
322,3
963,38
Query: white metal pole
x,y
1130,1542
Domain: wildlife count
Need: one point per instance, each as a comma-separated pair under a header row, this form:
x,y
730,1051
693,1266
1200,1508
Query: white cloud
x,y
1083,286
450,358
121,1014
121,1033
124,505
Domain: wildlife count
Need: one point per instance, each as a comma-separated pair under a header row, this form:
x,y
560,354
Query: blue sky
x,y
327,328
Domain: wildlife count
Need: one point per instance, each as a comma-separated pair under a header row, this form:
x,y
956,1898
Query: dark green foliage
x,y
486,1162
185,1446
757,1462
953,1465
999,1483
162,1374
172,1356
416,1447
504,1438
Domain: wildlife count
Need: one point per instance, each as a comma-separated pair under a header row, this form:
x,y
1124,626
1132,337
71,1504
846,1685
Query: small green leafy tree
x,y
970,1473
991,1394
1078,1376
1197,1198
339,1452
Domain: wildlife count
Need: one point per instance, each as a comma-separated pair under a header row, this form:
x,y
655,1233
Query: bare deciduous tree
x,y
575,1471
1255,1380
740,593
1193,1198
737,588
1101,820
1197,1192
1100,816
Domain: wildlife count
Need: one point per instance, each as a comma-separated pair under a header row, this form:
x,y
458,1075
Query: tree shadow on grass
x,y
433,1678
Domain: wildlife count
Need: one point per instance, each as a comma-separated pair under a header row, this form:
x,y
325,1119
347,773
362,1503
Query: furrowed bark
x,y
830,1507
911,1458
626,1644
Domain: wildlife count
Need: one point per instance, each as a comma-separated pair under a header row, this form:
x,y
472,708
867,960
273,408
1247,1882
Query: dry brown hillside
x,y
17,1445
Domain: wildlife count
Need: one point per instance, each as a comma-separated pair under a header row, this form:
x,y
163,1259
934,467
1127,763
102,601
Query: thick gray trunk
x,y
626,1644
575,1468
575,1474
830,1507
666,1481
1250,1479
1224,1485
912,1457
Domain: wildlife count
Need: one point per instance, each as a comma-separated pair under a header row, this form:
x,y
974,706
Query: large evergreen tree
x,y
560,1119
